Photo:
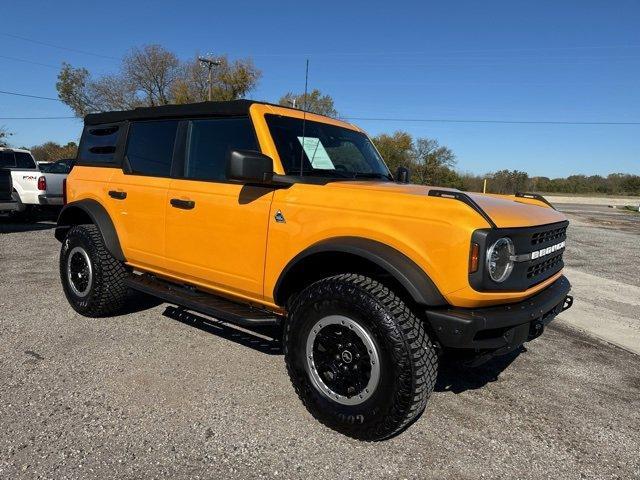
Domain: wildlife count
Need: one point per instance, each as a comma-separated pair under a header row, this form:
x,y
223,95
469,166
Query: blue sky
x,y
573,61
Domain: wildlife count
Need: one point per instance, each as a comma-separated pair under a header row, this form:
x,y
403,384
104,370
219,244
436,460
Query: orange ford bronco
x,y
257,214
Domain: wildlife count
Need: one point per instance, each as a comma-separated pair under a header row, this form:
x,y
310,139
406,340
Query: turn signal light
x,y
474,256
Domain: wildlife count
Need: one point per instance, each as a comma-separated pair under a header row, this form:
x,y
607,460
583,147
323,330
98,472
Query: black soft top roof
x,y
221,109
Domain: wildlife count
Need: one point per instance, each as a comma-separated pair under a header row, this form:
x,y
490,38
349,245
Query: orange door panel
x,y
216,234
139,204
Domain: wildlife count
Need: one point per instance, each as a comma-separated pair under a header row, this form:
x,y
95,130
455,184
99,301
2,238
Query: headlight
x,y
499,262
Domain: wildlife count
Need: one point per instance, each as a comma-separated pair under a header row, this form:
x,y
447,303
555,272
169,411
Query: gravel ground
x,y
152,394
604,242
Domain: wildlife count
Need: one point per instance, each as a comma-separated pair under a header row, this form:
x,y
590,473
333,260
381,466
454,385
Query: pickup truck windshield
x,y
329,150
56,167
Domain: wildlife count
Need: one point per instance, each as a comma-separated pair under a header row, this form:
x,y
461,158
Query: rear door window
x,y
208,144
150,147
98,144
7,159
24,160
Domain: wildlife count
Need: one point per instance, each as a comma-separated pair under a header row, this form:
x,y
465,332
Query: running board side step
x,y
201,302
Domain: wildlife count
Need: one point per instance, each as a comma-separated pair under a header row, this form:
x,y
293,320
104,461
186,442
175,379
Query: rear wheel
x,y
92,279
359,359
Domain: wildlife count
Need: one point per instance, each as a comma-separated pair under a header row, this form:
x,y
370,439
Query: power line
x,y
29,61
59,47
29,96
451,120
444,52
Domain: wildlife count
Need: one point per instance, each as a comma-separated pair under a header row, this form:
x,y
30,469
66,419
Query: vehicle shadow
x,y
262,339
138,302
10,225
456,377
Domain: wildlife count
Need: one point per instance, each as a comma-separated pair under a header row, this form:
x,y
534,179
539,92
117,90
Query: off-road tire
x,y
108,291
408,358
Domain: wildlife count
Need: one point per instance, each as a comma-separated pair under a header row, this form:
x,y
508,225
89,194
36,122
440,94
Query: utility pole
x,y
210,63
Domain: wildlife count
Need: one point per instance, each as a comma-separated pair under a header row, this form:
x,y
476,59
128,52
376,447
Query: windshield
x,y
329,150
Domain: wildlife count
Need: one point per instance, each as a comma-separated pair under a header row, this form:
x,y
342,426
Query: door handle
x,y
183,204
117,194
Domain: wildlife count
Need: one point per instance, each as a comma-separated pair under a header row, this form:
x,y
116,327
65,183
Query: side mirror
x,y
402,175
249,166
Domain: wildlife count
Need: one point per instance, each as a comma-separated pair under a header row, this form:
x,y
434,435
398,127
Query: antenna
x,y
304,116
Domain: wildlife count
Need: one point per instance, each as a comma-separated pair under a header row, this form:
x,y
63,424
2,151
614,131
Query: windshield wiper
x,y
372,175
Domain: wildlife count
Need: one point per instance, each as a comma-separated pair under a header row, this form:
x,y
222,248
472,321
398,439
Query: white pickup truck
x,y
31,186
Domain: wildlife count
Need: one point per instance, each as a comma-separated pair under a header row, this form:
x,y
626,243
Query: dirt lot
x,y
151,394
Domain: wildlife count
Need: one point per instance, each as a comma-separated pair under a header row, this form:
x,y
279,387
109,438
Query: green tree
x,y
396,149
230,80
508,181
52,151
630,185
149,76
314,102
432,164
428,161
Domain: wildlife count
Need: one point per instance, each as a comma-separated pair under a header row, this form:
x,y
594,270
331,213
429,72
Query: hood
x,y
506,211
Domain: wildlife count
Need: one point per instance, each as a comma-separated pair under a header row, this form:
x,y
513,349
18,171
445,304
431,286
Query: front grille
x,y
528,271
549,236
548,264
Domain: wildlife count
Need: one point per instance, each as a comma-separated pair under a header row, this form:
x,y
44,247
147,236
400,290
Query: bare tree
x,y
149,76
152,71
4,135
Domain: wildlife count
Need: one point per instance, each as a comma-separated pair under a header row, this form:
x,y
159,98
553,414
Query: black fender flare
x,y
77,213
404,270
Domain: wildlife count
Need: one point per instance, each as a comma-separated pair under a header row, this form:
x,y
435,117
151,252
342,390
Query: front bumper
x,y
49,199
502,328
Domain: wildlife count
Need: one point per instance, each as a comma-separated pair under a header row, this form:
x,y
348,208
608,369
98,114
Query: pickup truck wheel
x,y
358,358
92,279
22,212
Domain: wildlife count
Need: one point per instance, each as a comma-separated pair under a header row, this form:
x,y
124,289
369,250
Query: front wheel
x,y
359,359
92,279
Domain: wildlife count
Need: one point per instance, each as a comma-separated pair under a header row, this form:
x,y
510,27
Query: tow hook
x,y
535,329
568,301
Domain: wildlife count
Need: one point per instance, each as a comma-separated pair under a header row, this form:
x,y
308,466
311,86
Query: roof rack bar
x,y
464,198
534,196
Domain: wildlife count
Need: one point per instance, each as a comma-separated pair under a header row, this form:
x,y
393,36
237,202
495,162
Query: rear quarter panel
x,y
25,183
54,182
90,183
